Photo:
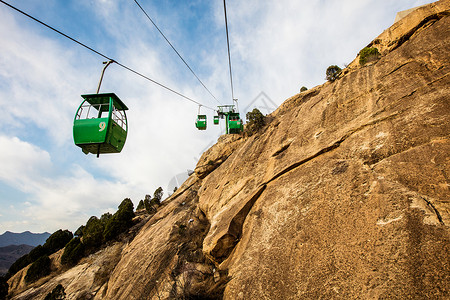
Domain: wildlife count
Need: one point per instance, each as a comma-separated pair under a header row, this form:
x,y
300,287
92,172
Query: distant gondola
x,y
201,122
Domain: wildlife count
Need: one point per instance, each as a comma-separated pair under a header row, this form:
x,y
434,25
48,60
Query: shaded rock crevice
x,y
436,211
228,242
330,148
428,21
397,68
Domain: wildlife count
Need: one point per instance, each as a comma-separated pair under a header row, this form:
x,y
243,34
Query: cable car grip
x,y
106,63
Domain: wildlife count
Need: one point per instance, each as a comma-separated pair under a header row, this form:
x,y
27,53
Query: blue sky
x,y
47,183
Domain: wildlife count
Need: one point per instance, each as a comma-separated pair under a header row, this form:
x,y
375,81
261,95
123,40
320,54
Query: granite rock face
x,y
344,194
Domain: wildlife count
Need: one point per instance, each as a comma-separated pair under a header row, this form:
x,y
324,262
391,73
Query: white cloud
x,y
67,201
21,162
39,82
53,201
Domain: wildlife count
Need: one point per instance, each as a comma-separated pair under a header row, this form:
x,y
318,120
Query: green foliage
x,y
157,195
151,204
303,89
18,265
333,72
57,241
27,259
125,212
140,205
54,243
38,269
57,293
73,252
121,221
93,233
3,287
368,54
255,121
112,229
148,204
79,231
36,252
105,218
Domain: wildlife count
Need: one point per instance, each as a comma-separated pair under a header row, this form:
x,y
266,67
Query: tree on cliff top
x,y
140,205
255,121
120,221
79,231
57,240
332,73
93,233
157,195
368,54
149,205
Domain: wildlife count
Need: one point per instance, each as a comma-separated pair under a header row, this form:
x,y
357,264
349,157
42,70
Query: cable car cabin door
x,y
100,124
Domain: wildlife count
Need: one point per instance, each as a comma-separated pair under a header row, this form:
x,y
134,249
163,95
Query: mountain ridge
x,y
26,237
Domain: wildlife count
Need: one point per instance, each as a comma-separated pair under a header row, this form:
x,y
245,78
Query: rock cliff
x,y
344,194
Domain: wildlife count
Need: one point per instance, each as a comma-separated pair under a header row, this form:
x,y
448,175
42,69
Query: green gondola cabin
x,y
201,122
100,125
216,120
235,123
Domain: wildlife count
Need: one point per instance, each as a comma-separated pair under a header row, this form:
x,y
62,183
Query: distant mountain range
x,y
14,245
24,238
9,254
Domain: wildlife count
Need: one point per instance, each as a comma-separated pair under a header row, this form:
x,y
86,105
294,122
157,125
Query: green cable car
x,y
216,120
235,123
100,125
201,122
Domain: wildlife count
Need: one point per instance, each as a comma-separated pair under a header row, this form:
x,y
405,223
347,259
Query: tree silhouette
x,y
333,72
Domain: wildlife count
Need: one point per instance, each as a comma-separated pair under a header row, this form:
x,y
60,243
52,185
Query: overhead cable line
x,y
228,44
104,56
179,55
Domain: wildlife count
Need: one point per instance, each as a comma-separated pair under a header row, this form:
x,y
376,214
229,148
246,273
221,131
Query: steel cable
x,y
104,56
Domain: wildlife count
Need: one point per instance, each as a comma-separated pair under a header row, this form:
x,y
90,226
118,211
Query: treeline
x,y
97,232
151,204
38,255
87,239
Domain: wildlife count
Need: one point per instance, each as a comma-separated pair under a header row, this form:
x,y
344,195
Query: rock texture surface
x,y
343,195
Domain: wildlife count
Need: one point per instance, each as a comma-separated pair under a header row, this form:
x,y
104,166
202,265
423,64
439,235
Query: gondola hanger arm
x,y
107,63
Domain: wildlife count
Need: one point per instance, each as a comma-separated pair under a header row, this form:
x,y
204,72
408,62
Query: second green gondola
x,y
201,122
